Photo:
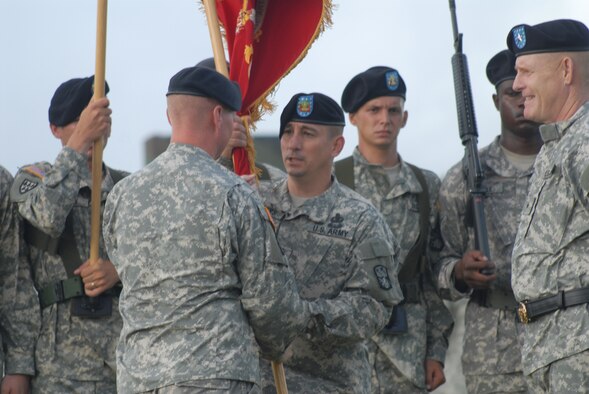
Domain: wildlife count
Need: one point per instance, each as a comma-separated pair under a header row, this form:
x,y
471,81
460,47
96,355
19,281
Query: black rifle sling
x,y
412,266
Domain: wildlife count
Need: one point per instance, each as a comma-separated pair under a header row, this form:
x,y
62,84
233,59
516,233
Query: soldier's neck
x,y
386,156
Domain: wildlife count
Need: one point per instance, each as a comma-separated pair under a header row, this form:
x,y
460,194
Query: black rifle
x,y
469,136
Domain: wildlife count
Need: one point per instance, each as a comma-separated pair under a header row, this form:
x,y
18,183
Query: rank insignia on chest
x,y
27,185
336,222
382,276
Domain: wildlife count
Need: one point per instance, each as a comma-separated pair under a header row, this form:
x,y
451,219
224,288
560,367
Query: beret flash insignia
x,y
519,37
305,106
392,80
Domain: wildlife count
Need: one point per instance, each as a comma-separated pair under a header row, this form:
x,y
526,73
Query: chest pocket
x,y
322,267
503,212
547,212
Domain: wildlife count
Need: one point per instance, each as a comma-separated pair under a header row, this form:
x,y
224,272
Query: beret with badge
x,y
375,82
313,108
561,35
205,82
70,99
501,67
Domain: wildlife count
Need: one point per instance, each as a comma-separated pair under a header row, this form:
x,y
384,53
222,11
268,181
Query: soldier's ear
x,y
338,145
496,101
352,118
56,131
405,117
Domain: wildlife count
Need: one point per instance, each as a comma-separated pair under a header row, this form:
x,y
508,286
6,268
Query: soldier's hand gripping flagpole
x,y
99,92
221,66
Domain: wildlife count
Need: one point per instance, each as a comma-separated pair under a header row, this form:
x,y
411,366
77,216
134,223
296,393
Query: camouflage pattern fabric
x,y
18,337
203,277
68,347
493,337
429,321
551,248
51,384
210,386
572,373
343,256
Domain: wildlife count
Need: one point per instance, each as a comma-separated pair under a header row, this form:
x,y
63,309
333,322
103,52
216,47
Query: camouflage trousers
x,y
51,385
567,375
496,384
210,386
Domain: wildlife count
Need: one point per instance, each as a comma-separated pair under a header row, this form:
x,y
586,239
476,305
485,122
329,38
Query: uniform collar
x,y
497,162
318,208
406,183
555,131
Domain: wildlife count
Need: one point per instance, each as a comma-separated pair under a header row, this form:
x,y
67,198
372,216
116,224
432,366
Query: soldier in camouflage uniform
x,y
203,276
340,249
18,344
73,353
408,354
491,357
550,273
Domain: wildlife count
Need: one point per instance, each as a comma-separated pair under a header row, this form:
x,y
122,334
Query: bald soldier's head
x,y
201,107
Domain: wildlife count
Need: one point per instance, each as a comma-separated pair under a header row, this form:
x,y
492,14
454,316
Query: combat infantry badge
x,y
27,185
382,276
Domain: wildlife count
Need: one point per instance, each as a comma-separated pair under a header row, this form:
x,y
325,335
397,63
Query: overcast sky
x,y
43,43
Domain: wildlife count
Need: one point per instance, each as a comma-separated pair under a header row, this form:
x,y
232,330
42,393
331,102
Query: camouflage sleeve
x,y
452,201
270,296
365,304
19,313
439,321
45,194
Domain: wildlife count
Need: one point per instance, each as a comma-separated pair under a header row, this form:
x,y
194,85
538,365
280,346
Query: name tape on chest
x,y
334,228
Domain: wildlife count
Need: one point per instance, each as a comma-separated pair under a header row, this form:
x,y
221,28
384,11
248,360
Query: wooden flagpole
x,y
99,92
221,66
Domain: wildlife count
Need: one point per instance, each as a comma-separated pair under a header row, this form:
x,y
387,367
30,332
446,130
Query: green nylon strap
x,y
344,172
414,262
65,245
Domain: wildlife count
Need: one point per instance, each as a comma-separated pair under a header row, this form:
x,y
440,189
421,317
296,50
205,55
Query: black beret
x,y
561,35
204,82
70,99
501,67
375,82
314,108
209,62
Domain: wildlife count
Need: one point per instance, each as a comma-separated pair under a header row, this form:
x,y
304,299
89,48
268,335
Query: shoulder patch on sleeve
x,y
382,277
27,179
585,180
